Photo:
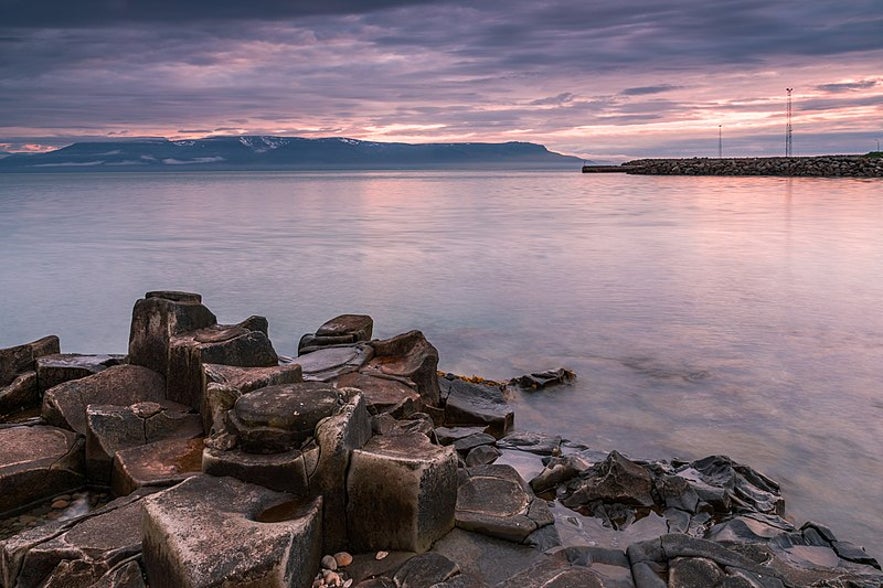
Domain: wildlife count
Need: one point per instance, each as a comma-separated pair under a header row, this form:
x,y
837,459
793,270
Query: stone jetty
x,y
829,166
202,458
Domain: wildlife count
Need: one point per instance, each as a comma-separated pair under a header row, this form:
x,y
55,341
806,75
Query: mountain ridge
x,y
267,152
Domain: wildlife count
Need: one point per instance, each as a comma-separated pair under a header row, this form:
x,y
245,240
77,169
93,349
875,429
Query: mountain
x,y
281,153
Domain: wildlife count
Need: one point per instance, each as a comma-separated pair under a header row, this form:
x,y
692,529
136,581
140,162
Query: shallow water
x,y
702,315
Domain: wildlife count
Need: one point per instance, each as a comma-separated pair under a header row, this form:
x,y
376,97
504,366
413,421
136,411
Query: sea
x,y
702,315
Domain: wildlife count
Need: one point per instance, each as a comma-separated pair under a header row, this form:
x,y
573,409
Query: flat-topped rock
x,y
476,404
287,471
327,364
341,330
56,368
257,537
411,357
38,462
22,358
384,394
280,418
158,464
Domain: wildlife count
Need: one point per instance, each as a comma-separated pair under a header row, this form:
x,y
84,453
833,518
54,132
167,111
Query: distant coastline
x,y
856,166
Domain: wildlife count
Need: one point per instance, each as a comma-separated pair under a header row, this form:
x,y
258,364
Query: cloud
x,y
847,86
645,90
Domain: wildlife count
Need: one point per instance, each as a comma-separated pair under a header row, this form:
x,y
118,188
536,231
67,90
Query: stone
x,y
158,464
113,428
223,384
258,537
22,392
411,357
482,455
233,345
489,560
22,358
540,380
343,559
79,552
558,470
341,330
617,480
284,472
36,463
554,573
465,444
401,493
538,443
279,418
496,501
56,368
159,316
328,562
476,404
384,395
65,405
328,364
425,570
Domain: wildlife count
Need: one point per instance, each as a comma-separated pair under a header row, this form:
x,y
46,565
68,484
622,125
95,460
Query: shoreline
x,y
826,166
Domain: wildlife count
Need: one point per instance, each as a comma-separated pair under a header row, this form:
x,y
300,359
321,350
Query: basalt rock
x,y
475,404
341,330
412,358
540,380
384,395
61,367
155,465
328,364
19,384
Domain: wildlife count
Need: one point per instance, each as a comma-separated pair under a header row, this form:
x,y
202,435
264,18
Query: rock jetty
x,y
202,458
831,166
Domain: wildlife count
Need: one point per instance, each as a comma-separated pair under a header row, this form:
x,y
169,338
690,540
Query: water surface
x,y
702,315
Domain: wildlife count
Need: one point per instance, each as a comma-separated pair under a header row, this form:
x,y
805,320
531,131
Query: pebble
x,y
28,519
343,559
332,579
60,504
329,562
380,555
348,583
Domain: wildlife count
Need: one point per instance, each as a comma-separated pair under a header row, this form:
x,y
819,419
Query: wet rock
x,y
123,385
38,462
22,392
56,368
540,380
553,573
473,441
616,480
280,418
17,360
401,493
558,470
158,464
411,357
284,472
425,570
233,345
223,384
257,536
482,455
476,404
326,365
538,443
489,560
341,330
496,501
384,395
113,428
79,552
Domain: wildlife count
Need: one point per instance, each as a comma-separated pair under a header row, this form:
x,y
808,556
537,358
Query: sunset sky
x,y
601,80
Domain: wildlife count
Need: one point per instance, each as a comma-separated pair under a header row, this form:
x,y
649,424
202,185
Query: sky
x,y
602,80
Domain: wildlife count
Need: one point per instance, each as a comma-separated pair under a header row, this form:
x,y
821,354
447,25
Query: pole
x,y
720,143
788,124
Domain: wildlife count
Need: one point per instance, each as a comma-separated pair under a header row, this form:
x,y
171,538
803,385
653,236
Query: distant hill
x,y
283,153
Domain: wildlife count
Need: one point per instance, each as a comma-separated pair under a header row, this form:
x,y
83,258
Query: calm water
x,y
702,315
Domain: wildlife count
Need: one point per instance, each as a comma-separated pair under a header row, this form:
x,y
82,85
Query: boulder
x,y
235,345
531,442
341,330
22,358
616,480
328,364
22,392
540,380
482,455
80,552
401,493
288,471
384,395
159,316
56,368
476,404
65,405
424,570
209,531
158,464
411,357
36,463
113,428
496,501
489,560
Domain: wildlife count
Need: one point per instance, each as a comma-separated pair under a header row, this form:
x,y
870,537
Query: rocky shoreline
x,y
830,166
203,458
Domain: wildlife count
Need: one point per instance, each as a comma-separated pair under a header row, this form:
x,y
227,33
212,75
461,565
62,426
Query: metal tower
x,y
788,124
720,143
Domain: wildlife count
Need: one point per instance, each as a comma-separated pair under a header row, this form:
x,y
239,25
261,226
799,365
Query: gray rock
x,y
123,385
411,357
617,480
256,536
482,455
56,368
425,570
326,365
341,330
540,380
401,493
384,395
490,560
158,464
476,404
38,462
22,392
22,358
283,472
554,573
538,443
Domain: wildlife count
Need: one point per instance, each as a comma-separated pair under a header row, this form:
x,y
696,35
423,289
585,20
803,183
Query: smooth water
x,y
702,315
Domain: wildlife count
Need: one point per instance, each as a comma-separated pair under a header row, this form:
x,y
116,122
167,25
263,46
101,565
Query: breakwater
x,y
856,166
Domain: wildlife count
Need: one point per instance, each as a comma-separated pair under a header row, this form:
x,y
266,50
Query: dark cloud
x,y
847,86
644,90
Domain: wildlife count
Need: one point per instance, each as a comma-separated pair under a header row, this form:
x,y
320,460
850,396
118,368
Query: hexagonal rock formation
x,y
384,394
402,493
37,462
496,501
62,367
327,364
341,330
123,385
411,357
158,464
208,532
19,386
475,404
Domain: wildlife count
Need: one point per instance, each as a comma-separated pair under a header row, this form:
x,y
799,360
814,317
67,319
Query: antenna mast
x,y
788,124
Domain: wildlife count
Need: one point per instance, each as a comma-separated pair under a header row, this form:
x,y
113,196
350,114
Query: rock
x,y
482,455
283,472
56,368
558,470
123,385
113,428
22,392
257,536
466,444
384,395
36,463
553,573
448,435
425,570
489,560
540,380
341,330
343,559
159,316
617,480
496,501
80,552
279,418
158,464
411,357
326,365
538,443
476,404
401,493
17,360
328,562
